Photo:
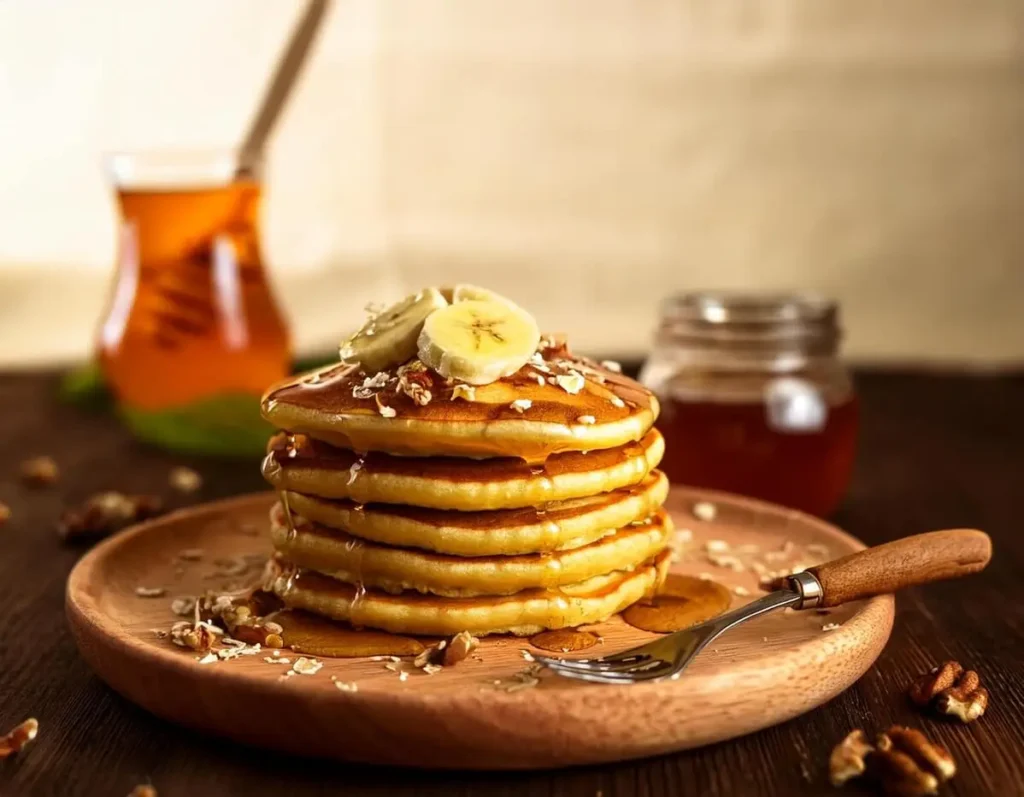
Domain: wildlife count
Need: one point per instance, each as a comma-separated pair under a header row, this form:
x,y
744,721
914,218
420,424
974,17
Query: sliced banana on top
x,y
478,341
463,292
390,338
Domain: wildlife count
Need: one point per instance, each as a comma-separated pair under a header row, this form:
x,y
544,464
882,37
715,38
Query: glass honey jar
x,y
192,335
755,399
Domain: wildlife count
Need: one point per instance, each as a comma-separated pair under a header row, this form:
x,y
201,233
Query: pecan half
x,y
460,646
14,741
950,689
107,512
928,686
909,764
966,701
848,758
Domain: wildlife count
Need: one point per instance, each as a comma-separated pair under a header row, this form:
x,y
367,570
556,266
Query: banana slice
x,y
390,338
478,341
464,293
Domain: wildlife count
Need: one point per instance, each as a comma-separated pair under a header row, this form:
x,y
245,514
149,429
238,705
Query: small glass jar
x,y
192,335
754,397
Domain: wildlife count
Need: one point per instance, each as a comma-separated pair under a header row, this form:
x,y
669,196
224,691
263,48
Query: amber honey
x,y
740,448
192,330
192,314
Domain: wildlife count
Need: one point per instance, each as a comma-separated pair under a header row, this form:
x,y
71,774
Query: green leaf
x,y
225,425
85,387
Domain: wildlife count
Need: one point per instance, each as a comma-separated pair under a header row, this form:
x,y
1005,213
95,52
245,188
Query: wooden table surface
x,y
937,452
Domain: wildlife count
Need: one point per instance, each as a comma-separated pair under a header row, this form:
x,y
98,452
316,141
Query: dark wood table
x,y
937,452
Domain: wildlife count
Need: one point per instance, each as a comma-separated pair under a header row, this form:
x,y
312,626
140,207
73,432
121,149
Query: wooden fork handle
x,y
920,559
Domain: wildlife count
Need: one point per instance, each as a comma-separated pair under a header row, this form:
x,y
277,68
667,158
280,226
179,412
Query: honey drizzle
x,y
682,602
289,449
564,640
289,519
318,636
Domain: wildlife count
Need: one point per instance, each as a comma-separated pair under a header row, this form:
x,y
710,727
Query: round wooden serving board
x,y
765,672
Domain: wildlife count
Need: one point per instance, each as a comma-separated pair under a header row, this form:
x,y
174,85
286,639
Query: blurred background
x,y
585,157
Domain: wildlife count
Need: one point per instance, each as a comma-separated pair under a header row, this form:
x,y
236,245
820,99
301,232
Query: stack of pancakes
x,y
418,504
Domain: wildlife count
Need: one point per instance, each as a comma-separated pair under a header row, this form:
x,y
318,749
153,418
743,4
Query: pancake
x,y
556,526
394,570
523,613
323,404
301,464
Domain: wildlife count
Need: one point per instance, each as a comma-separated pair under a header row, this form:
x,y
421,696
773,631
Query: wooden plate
x,y
763,673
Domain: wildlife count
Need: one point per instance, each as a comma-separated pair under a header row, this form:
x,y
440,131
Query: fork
x,y
908,562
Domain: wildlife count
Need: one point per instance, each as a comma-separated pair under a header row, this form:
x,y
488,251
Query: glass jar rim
x,y
751,324
170,169
741,307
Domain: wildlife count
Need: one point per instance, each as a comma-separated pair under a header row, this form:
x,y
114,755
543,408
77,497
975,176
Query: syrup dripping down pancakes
x,y
474,478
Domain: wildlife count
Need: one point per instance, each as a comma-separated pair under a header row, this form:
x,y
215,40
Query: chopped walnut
x,y
143,790
345,686
464,392
14,741
199,636
611,365
39,471
5,513
909,764
617,402
460,646
239,620
107,512
521,405
848,758
429,657
415,381
185,480
587,420
951,690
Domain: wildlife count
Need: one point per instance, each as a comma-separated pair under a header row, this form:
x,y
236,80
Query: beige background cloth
x,y
585,156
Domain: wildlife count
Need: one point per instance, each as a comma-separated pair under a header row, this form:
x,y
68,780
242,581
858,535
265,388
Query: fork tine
x,y
597,665
633,655
628,677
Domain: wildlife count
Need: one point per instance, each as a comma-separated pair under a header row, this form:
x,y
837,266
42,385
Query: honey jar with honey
x,y
192,334
755,399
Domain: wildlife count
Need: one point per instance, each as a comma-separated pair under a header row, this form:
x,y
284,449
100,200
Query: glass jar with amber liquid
x,y
192,335
754,397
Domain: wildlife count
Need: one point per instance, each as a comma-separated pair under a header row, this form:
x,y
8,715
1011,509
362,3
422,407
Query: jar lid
x,y
749,319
